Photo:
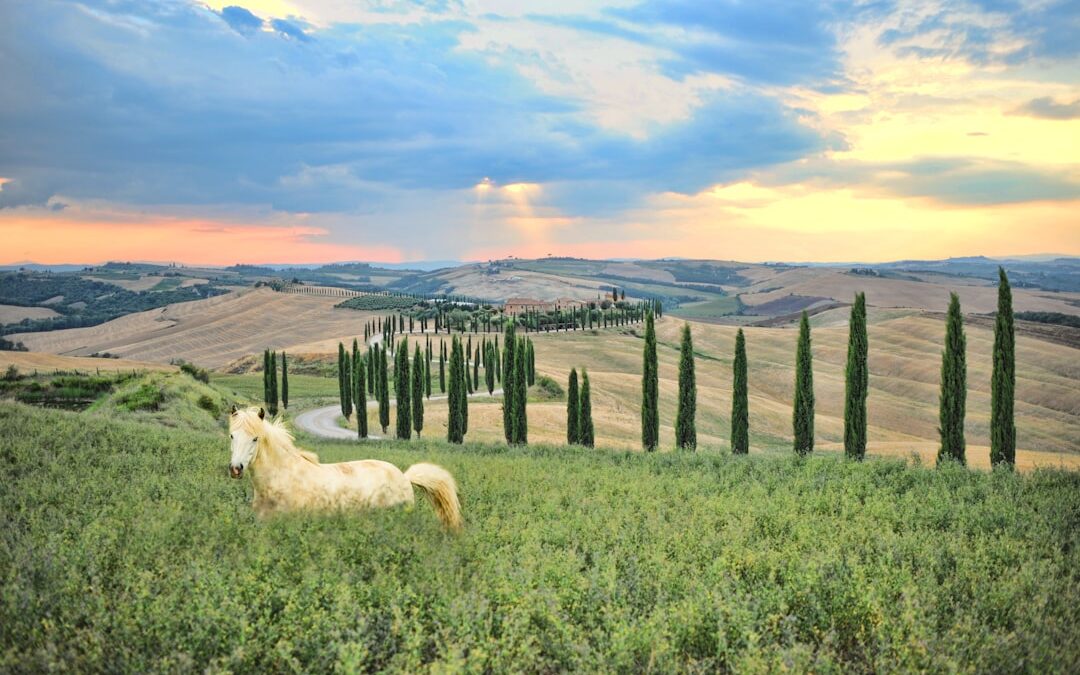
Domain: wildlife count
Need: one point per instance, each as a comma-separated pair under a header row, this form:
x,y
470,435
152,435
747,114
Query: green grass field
x,y
126,547
250,386
709,310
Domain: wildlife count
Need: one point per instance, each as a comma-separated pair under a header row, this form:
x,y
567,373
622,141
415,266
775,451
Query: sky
x,y
308,131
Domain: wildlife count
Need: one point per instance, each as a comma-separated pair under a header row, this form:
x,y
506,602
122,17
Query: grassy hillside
x,y
167,399
127,548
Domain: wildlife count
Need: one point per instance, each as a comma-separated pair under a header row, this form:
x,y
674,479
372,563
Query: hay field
x,y
28,362
210,332
932,294
15,313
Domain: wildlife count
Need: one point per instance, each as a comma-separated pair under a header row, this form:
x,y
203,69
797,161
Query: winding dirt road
x,y
322,422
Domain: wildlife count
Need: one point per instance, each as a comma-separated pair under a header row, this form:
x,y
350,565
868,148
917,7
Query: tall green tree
x,y
650,387
442,368
455,425
341,378
531,358
509,385
573,410
418,392
521,394
489,367
803,414
272,407
953,399
266,377
360,395
427,377
371,370
403,392
586,433
466,387
384,391
740,401
284,382
857,381
1003,379
685,423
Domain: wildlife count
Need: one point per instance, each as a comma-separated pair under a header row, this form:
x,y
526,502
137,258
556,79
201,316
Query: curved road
x,y
323,421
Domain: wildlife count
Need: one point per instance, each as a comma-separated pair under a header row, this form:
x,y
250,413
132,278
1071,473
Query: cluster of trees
x,y
270,381
579,423
519,368
361,375
952,399
445,317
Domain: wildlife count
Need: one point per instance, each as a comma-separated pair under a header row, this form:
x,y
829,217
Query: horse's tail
x,y
439,486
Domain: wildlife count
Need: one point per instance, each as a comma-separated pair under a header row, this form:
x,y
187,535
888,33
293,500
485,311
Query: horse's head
x,y
245,427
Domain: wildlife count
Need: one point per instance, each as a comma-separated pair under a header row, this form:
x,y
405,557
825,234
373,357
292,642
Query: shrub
x,y
200,374
146,397
206,402
547,389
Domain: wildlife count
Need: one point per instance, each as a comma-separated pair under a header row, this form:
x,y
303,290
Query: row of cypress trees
x,y
952,401
579,422
359,374
270,381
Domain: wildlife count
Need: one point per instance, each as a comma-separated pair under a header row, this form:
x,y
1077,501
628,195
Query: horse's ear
x,y
233,411
262,414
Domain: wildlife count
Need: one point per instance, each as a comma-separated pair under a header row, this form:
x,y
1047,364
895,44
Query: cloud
x,y
165,103
778,42
1048,109
241,20
989,31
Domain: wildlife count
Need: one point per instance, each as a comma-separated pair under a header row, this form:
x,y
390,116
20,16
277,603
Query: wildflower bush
x,y
126,547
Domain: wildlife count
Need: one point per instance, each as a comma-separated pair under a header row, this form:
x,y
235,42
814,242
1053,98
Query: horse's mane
x,y
274,430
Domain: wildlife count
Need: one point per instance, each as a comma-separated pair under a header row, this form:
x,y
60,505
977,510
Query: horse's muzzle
x,y
236,471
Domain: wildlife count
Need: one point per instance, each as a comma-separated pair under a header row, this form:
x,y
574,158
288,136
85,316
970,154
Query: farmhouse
x,y
515,306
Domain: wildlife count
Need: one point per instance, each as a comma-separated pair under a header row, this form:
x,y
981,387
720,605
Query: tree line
x,y
952,398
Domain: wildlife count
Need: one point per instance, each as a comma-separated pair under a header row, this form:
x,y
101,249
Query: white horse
x,y
287,478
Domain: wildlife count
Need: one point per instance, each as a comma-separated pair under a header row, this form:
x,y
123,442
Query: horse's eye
x,y
230,435
255,440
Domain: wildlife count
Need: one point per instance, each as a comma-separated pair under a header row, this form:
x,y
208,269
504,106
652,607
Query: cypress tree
x,y
384,392
266,377
650,385
685,426
272,408
857,382
442,368
803,415
953,387
347,384
418,392
521,421
476,369
284,382
360,393
531,353
371,370
427,378
740,402
455,425
1003,379
403,392
573,409
489,368
586,434
341,378
465,386
509,386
